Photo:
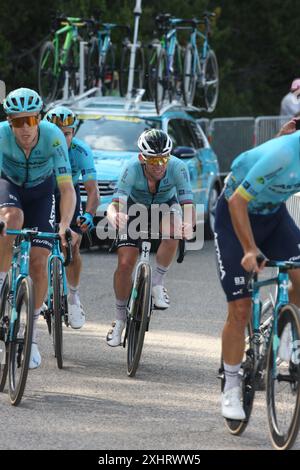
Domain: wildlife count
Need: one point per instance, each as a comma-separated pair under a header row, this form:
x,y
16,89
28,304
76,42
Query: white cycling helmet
x,y
154,142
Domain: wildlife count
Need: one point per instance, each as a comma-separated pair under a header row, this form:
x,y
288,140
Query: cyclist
x,y
155,177
251,217
30,151
82,163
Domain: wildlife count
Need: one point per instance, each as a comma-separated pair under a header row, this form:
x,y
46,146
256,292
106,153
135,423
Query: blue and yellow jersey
x,y
82,161
49,155
267,175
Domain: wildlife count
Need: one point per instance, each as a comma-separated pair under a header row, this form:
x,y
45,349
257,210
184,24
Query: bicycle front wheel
x,y
283,379
4,328
211,81
47,76
57,312
138,319
189,76
20,343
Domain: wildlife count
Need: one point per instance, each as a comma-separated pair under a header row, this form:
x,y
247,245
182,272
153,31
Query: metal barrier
x,y
266,127
229,137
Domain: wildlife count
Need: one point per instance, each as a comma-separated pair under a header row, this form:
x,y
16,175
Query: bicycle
x,y
101,57
57,59
57,303
201,66
16,314
140,307
165,67
267,352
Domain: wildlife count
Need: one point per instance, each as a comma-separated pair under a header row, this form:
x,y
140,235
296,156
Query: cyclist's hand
x,y
117,219
249,262
85,222
62,230
187,231
288,128
2,228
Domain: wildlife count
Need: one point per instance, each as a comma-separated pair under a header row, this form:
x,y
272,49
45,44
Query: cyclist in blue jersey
x,y
154,178
30,151
82,164
251,217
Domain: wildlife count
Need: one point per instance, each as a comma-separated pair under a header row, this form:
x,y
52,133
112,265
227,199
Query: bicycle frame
x,y
56,253
199,60
71,33
104,40
282,299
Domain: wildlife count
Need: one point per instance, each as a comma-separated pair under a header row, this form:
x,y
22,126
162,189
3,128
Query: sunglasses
x,y
68,121
20,121
156,161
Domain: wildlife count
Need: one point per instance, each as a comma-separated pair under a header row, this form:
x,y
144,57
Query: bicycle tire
x,y
236,426
107,71
93,70
189,78
19,349
161,81
139,69
47,80
284,439
211,81
138,320
151,75
57,316
4,328
72,66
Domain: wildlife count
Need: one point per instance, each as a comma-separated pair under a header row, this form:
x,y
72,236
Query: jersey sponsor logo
x,y
11,196
52,213
221,267
246,184
274,173
184,174
56,143
124,176
62,170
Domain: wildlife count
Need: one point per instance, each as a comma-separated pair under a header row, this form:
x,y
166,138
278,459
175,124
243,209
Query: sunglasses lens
x,y
68,121
157,161
29,120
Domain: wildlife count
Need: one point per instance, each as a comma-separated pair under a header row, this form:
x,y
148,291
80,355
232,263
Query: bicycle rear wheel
x,y
47,78
20,345
58,308
138,319
283,389
4,328
93,70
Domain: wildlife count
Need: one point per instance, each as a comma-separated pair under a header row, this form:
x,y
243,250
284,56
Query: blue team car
x,y
112,132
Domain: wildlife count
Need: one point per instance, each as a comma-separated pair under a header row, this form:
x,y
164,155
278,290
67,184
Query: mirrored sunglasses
x,y
20,121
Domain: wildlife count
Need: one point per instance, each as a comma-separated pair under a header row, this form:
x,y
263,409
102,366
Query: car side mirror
x,y
184,152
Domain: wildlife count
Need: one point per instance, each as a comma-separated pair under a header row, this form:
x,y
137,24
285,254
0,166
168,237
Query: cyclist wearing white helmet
x,y
30,151
159,182
82,164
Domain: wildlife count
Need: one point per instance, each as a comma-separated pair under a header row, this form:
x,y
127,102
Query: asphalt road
x,y
173,403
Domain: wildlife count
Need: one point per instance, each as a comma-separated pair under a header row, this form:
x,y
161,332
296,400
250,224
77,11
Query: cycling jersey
x,y
267,175
133,183
82,161
49,154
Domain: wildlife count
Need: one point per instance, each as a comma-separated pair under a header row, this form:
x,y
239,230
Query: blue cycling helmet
x,y
62,117
22,100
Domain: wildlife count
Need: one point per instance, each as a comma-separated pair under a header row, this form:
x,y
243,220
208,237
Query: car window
x,y
197,137
175,133
184,133
114,133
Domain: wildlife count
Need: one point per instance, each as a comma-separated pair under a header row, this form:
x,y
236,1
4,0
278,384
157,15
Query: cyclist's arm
x,y
93,197
89,179
185,194
116,210
257,180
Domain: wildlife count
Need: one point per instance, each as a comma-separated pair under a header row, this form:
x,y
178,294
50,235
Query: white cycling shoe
x,y
76,316
161,299
35,357
114,335
232,407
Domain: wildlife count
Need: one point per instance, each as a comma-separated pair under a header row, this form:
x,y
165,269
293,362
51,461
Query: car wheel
x,y
210,217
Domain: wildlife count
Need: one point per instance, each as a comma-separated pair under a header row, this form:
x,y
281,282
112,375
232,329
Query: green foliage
x,y
255,43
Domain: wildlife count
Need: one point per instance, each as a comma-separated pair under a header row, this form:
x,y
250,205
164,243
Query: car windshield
x,y
113,133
